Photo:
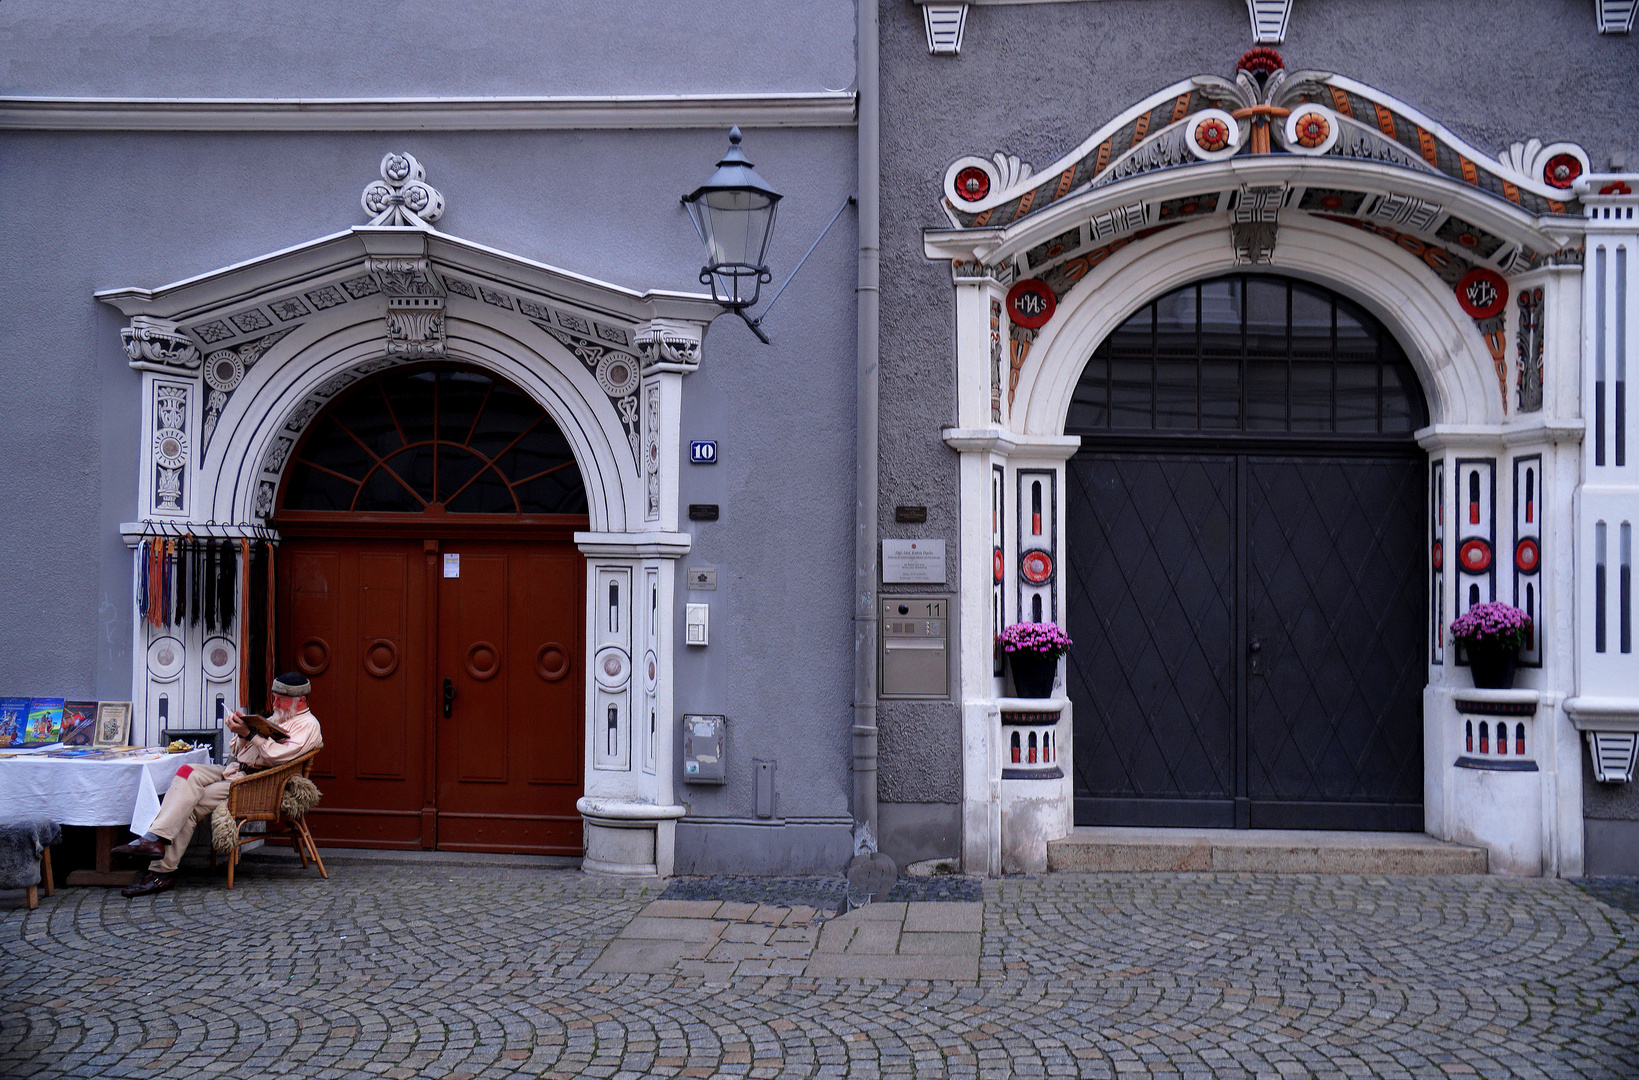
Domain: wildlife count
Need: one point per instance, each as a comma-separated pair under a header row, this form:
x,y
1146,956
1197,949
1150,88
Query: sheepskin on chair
x,y
300,796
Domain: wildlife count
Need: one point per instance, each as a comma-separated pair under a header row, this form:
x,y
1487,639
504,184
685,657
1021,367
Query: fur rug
x,y
300,796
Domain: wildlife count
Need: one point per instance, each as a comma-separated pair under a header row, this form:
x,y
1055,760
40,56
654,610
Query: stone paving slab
x,y
473,973
1108,849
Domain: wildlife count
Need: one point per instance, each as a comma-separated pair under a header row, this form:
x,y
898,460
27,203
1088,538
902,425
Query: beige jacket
x,y
259,753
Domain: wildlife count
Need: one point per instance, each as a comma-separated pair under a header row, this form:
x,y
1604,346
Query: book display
x,y
45,722
79,722
13,717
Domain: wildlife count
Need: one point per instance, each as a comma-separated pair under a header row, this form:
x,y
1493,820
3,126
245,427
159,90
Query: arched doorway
x,y
430,588
1246,588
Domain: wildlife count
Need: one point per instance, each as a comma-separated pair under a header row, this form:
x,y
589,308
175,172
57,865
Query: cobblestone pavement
x,y
465,972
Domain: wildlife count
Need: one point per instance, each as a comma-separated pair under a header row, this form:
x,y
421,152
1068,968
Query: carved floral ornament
x,y
402,196
158,341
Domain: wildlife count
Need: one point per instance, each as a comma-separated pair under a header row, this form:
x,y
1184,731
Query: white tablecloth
x,y
75,791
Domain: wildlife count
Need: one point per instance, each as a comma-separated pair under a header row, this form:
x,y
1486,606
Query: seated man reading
x,y
199,789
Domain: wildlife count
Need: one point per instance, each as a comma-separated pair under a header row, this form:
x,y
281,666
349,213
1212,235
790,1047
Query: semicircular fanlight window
x,y
1249,354
435,440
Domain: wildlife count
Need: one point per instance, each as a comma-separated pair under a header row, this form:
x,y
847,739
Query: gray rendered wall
x,y
1037,79
95,210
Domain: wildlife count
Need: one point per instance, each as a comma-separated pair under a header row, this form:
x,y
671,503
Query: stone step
x,y
1102,849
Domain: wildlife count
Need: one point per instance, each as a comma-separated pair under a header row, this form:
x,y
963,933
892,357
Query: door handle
x,y
449,697
1254,656
1255,645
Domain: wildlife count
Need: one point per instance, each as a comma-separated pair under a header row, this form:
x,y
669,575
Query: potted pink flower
x,y
1033,650
1492,635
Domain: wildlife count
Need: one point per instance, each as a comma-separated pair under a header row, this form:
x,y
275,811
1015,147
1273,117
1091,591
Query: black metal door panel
x,y
1152,612
1249,639
1334,596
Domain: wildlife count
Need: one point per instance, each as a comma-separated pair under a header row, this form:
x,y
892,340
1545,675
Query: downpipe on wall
x,y
871,873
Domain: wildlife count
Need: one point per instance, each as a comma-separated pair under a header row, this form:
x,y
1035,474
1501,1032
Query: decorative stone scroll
x,y
149,340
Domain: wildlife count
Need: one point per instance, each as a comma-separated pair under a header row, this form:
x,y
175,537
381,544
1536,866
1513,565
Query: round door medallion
x,y
219,657
651,671
381,657
1527,556
552,662
1482,293
1036,566
313,656
1475,555
611,667
165,658
483,661
1030,304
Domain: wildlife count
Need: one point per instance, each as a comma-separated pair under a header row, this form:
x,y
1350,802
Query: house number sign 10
x,y
703,451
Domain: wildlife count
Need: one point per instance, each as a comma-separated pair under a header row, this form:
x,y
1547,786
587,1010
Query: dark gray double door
x,y
1249,639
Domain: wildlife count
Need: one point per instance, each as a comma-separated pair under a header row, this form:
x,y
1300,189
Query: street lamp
x,y
733,212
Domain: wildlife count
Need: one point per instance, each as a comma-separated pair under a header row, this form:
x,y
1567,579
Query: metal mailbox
x,y
914,646
703,748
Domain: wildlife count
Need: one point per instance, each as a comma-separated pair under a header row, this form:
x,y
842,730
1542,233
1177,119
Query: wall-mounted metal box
x,y
913,641
703,738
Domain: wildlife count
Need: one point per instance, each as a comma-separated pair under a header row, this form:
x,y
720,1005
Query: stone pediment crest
x,y
1262,109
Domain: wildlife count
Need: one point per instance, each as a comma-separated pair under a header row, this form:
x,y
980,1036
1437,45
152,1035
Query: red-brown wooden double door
x,y
446,680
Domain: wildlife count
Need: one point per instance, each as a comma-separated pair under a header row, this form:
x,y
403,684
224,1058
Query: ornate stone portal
x,y
230,387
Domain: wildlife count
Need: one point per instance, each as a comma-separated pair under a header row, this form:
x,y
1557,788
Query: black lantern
x,y
734,215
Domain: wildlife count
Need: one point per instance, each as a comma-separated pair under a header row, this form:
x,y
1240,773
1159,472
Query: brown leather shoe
x,y
149,883
141,849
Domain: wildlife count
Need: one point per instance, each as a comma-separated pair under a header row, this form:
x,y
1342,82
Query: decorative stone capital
x,y
669,345
402,196
149,340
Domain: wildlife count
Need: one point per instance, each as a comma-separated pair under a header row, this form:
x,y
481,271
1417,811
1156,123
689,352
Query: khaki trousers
x,y
189,800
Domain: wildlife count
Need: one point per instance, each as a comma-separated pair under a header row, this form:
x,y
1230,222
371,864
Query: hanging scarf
x,y
156,580
225,587
196,571
142,580
181,589
210,585
244,620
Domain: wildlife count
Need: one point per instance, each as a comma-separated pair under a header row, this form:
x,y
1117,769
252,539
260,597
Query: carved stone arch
x,y
1451,359
301,374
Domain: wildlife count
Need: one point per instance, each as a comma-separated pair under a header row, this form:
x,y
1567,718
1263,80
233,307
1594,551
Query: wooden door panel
x,y
509,753
475,740
386,667
353,617
545,669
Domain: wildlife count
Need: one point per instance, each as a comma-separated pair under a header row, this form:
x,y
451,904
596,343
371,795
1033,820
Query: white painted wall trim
x,y
817,109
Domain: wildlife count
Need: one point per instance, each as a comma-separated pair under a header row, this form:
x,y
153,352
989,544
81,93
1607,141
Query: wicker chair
x,y
256,796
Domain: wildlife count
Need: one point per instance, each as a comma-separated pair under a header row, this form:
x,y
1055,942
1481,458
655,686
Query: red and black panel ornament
x,y
1527,556
1482,293
1437,555
1030,304
1036,566
999,565
1475,555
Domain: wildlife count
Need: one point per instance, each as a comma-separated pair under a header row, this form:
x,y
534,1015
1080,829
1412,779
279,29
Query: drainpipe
x,y
867,302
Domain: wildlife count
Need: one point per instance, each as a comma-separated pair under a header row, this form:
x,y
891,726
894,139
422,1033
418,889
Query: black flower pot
x,y
1033,673
1492,666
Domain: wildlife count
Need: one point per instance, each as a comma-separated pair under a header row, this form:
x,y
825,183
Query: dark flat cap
x,y
292,684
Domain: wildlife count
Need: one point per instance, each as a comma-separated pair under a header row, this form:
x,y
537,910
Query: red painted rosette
x,y
1437,555
1031,303
1475,555
1482,293
998,565
972,183
1036,566
1527,556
